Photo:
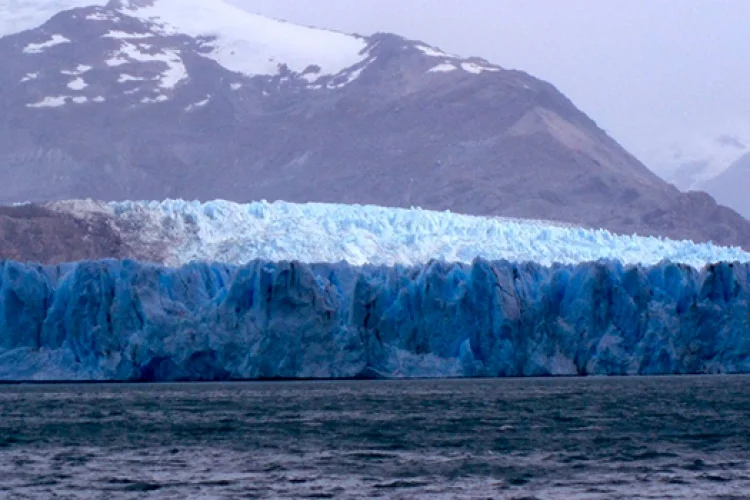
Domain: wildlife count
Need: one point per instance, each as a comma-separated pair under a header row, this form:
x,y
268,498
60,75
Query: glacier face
x,y
124,320
232,233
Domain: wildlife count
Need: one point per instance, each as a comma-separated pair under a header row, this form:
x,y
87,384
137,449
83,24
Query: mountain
x,y
195,99
691,166
720,167
731,186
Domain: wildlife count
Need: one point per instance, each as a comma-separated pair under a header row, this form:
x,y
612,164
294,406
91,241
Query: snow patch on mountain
x,y
234,233
432,51
38,48
62,100
80,69
124,77
158,98
443,68
198,104
344,78
248,43
452,62
477,69
122,35
103,16
77,84
174,72
49,102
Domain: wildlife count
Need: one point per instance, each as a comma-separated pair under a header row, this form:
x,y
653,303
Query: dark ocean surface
x,y
665,437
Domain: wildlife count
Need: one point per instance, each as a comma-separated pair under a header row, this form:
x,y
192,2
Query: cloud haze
x,y
650,72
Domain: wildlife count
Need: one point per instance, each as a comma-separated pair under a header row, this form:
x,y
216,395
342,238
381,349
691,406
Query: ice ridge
x,y
233,233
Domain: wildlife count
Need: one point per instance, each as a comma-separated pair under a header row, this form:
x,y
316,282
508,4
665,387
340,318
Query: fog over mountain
x,y
732,186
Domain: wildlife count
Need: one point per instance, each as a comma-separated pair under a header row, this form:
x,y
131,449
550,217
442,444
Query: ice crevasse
x,y
125,320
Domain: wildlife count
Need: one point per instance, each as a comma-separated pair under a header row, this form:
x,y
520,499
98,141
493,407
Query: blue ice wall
x,y
112,320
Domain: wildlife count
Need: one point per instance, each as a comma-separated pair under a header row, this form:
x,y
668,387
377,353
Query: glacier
x,y
134,321
180,232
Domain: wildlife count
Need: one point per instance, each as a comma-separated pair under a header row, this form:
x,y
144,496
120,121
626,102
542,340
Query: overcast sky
x,y
650,72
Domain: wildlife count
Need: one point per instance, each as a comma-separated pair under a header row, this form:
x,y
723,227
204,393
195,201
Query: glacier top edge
x,y
234,233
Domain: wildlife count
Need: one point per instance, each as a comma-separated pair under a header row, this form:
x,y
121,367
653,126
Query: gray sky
x,y
650,72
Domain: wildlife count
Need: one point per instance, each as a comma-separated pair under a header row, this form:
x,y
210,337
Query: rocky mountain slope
x,y
195,99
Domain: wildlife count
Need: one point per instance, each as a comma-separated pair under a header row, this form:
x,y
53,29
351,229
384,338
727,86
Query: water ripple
x,y
607,438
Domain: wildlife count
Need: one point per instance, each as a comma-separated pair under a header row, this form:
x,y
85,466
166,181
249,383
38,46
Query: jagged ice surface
x,y
111,320
234,233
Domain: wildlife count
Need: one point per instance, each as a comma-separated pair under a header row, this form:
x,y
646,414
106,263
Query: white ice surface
x,y
249,43
227,232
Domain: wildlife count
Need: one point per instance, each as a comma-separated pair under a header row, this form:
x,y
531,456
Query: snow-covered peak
x,y
22,15
249,43
238,40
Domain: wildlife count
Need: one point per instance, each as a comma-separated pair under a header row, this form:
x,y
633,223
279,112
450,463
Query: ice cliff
x,y
123,320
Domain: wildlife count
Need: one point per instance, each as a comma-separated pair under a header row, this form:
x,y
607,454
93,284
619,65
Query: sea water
x,y
587,438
